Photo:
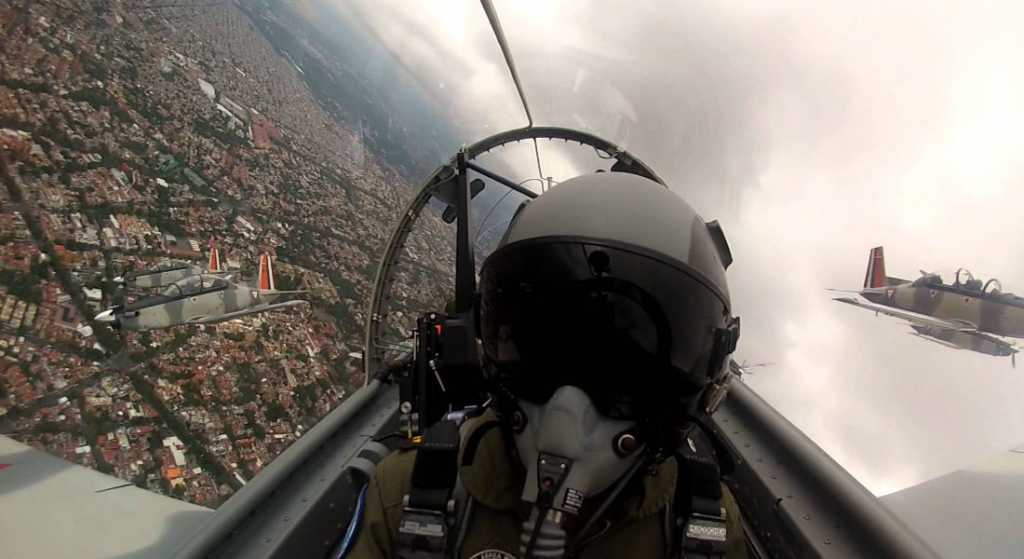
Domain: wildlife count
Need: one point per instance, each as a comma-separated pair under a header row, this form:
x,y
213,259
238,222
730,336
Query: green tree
x,y
276,412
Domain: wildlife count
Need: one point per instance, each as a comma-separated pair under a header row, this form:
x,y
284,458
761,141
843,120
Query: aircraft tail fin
x,y
875,275
265,281
214,265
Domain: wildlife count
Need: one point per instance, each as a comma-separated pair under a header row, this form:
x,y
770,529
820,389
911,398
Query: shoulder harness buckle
x,y
422,534
705,535
698,499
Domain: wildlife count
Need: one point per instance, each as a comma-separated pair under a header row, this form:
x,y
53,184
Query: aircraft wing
x,y
973,512
912,317
252,310
52,508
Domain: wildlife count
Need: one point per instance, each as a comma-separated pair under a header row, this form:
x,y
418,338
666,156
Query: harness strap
x,y
428,512
700,519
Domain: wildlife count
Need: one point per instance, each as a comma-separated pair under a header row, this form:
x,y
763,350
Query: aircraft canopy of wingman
x,y
180,290
968,314
964,281
169,274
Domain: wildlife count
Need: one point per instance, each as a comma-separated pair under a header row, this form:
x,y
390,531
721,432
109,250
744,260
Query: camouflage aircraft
x,y
967,314
171,274
201,299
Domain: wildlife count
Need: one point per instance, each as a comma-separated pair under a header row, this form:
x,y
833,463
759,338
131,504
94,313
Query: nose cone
x,y
105,316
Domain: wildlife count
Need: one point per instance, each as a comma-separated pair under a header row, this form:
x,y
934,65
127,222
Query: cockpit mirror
x,y
446,193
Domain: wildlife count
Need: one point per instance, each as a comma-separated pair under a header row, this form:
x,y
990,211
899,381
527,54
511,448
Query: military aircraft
x,y
201,299
795,500
173,273
967,314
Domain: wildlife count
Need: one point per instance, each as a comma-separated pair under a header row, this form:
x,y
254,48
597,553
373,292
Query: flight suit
x,y
637,528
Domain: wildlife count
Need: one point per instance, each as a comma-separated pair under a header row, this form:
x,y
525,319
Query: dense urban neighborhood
x,y
131,134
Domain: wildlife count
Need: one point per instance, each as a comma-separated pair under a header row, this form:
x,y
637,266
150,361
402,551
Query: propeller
x,y
740,369
745,366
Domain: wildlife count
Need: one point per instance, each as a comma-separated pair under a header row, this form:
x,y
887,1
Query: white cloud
x,y
814,132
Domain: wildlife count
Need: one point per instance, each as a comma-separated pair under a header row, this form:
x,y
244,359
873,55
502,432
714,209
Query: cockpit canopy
x,y
928,278
965,280
993,287
193,284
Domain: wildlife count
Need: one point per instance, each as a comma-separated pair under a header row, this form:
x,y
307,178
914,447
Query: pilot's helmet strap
x,y
698,515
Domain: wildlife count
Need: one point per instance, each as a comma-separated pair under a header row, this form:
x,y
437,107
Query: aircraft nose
x,y
105,316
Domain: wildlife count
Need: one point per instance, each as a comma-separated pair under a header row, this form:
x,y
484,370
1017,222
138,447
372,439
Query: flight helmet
x,y
613,284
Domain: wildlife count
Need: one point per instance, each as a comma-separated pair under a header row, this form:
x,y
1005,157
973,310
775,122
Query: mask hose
x,y
612,495
542,536
564,445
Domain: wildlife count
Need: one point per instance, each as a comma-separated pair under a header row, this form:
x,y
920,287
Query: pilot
x,y
606,327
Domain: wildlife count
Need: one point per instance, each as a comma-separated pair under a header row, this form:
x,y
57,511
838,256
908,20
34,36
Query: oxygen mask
x,y
571,453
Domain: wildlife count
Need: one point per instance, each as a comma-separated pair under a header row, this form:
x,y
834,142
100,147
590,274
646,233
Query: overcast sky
x,y
813,133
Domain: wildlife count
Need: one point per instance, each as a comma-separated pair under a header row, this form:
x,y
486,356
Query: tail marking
x,y
214,265
266,276
875,275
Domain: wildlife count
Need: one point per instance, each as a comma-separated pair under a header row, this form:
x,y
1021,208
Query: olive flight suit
x,y
639,527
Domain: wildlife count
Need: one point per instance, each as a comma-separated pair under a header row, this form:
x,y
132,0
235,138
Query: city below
x,y
130,135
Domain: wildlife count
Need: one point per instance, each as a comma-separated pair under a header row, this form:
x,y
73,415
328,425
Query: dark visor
x,y
628,328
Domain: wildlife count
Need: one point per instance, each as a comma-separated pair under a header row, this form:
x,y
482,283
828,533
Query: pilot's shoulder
x,y
388,485
393,476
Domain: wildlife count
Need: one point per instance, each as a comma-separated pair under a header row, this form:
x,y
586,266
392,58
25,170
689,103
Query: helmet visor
x,y
631,329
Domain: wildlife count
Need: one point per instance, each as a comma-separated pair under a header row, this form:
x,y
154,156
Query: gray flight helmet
x,y
621,234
